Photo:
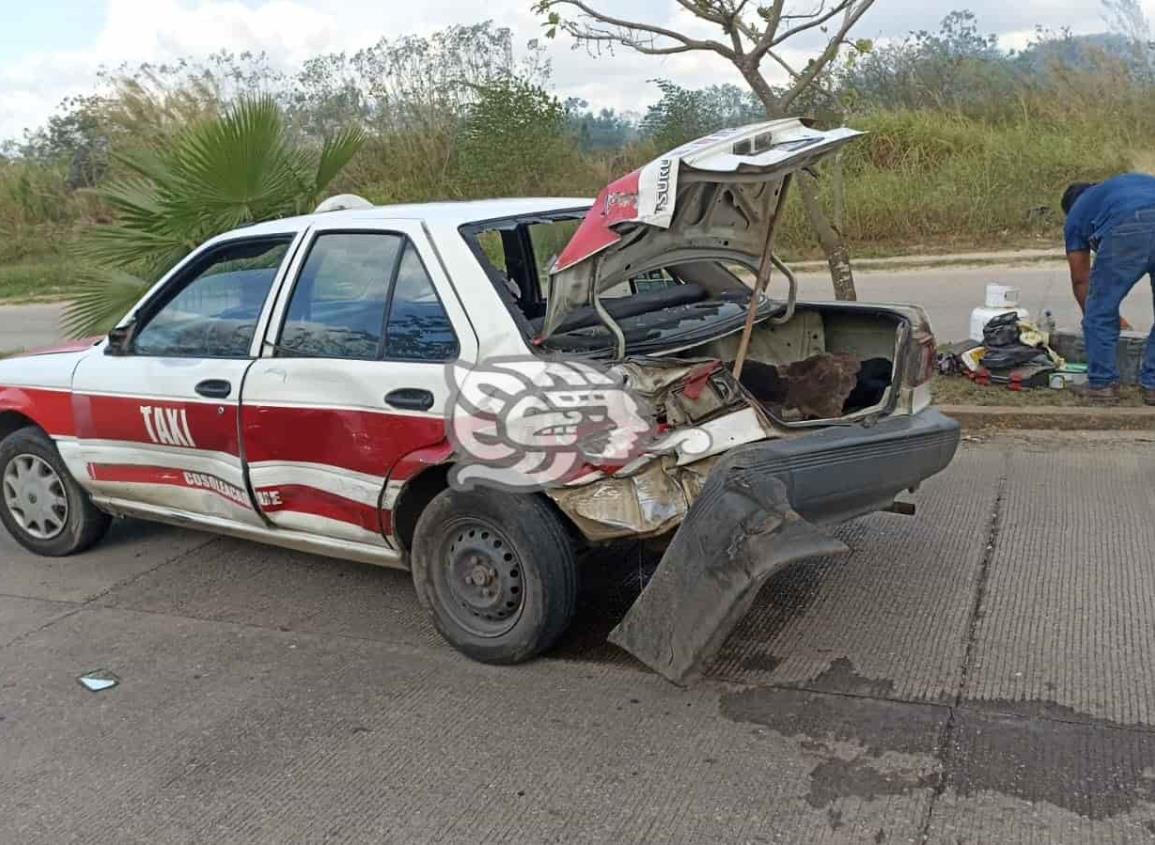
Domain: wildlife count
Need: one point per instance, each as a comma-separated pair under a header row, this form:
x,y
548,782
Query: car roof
x,y
451,213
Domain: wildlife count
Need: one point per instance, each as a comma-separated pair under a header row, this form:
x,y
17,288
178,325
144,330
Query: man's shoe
x,y
1097,395
1149,395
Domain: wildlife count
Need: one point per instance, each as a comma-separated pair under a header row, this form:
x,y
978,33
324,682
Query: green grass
x,y
45,278
958,390
933,182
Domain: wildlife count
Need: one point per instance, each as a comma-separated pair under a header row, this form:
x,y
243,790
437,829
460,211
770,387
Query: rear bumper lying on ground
x,y
756,514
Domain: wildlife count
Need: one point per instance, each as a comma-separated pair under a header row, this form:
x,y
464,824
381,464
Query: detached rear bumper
x,y
756,514
836,474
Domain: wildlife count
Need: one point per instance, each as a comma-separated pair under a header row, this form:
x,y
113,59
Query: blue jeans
x,y
1125,255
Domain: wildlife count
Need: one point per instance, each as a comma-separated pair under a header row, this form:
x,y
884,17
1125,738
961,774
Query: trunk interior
x,y
826,362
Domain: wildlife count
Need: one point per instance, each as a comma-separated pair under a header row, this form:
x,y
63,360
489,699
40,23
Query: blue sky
x,y
50,49
63,25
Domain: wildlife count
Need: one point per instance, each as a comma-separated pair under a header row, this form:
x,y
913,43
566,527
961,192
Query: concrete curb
x,y
979,417
934,260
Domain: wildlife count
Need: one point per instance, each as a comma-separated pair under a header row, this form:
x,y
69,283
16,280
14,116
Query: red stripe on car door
x,y
211,426
362,441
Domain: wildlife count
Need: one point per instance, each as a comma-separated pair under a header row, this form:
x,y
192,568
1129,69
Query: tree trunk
x,y
829,238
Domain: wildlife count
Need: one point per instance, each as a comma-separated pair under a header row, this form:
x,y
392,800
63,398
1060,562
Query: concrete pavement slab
x,y
19,616
1068,612
228,732
892,618
129,549
979,673
274,588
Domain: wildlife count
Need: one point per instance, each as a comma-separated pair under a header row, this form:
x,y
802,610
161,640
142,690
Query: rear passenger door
x,y
351,378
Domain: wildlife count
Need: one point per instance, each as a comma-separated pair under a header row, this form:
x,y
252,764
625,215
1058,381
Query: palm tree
x,y
238,168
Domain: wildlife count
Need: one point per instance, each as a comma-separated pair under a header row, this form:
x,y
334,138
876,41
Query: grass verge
x,y
48,278
957,390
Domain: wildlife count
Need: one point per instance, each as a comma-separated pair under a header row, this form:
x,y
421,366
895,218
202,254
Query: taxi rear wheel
x,y
497,571
41,505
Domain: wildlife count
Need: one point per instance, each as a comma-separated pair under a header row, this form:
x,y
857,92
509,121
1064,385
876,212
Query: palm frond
x,y
103,297
212,176
337,151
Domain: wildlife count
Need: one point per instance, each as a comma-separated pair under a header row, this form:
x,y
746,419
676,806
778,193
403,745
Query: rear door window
x,y
365,296
418,328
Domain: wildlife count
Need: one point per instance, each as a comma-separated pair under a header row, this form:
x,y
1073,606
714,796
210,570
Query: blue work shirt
x,y
1101,207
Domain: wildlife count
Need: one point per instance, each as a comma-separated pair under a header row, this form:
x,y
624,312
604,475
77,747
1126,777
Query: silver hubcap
x,y
34,495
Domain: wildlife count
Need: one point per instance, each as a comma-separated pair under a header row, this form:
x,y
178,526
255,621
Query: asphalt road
x,y
948,293
981,672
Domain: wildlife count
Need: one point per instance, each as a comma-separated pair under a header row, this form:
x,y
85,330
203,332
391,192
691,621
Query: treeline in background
x,y
969,145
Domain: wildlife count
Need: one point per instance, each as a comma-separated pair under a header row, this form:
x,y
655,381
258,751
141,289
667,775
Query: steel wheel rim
x,y
35,497
480,578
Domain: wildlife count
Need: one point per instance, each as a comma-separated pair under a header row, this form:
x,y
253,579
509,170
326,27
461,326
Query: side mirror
x,y
120,339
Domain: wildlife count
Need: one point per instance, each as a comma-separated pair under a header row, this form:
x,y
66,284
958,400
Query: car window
x,y
549,239
214,313
337,309
418,327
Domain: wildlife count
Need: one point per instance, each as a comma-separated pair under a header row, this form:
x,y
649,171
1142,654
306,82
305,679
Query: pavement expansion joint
x,y
950,727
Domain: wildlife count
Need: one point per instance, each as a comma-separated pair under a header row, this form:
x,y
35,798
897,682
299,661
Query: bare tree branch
x,y
702,11
821,8
766,39
819,64
796,75
818,21
627,27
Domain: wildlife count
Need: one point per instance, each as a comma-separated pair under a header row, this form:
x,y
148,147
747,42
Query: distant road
x,y
29,326
947,293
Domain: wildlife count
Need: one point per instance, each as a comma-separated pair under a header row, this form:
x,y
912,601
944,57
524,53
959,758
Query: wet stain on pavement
x,y
879,726
1034,751
862,778
869,748
842,677
1089,766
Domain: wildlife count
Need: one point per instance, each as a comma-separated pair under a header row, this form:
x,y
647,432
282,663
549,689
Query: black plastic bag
x,y
1002,330
999,359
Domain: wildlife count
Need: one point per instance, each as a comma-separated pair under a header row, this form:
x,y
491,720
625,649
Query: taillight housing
x,y
923,353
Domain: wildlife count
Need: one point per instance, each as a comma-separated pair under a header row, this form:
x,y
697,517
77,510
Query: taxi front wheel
x,y
41,505
498,572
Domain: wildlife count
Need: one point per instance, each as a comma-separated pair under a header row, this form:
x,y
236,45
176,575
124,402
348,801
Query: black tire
x,y
469,544
81,523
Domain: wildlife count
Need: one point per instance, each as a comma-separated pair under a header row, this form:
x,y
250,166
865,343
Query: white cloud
x,y
289,31
161,30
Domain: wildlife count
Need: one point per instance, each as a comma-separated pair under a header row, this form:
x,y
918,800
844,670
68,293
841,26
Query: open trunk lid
x,y
713,198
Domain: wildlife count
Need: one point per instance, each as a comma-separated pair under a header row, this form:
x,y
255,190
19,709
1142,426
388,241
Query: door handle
x,y
214,388
409,399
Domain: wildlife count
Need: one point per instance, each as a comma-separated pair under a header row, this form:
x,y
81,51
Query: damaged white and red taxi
x,y
304,382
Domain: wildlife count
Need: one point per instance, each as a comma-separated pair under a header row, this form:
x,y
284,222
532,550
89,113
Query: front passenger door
x,y
157,424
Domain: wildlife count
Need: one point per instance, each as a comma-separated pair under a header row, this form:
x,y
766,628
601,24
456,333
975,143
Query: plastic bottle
x,y
1047,323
